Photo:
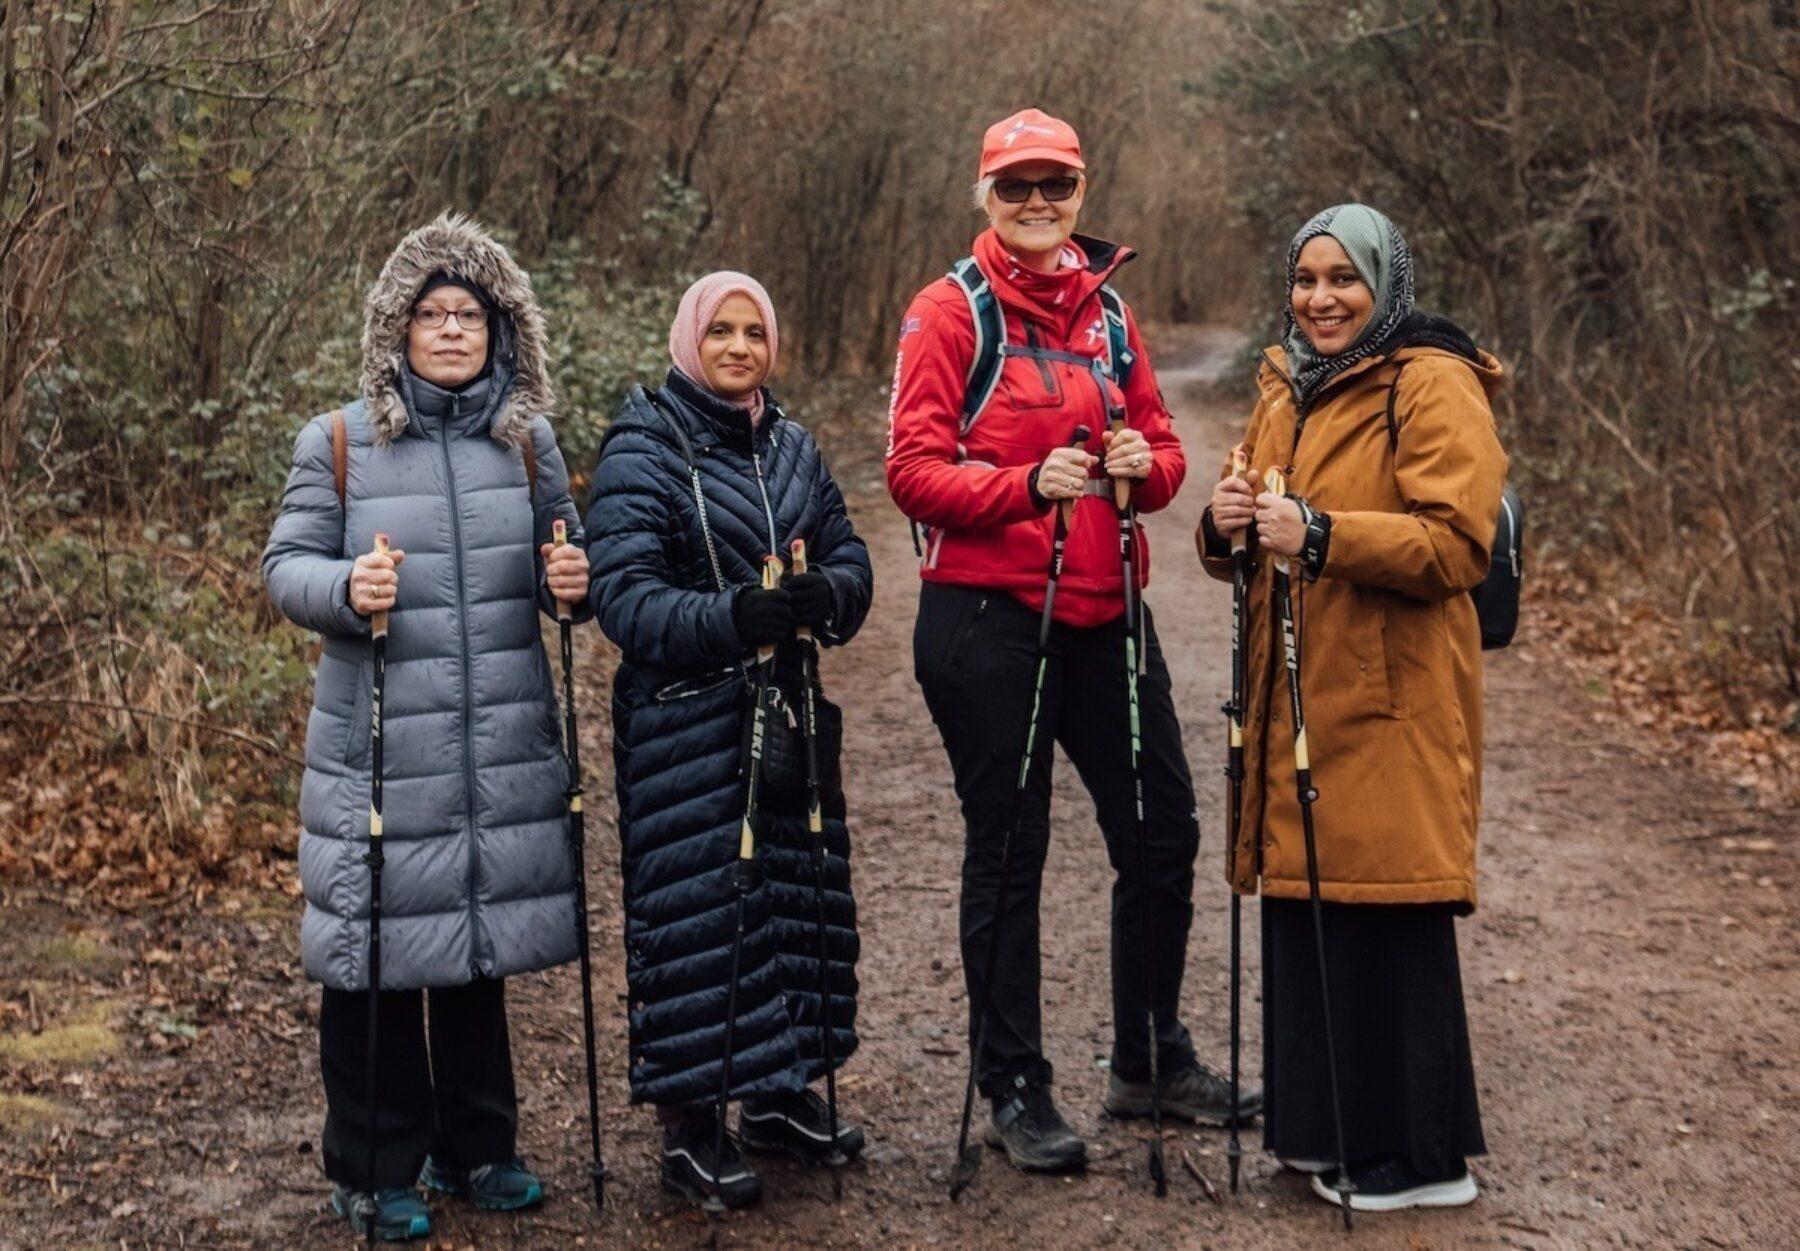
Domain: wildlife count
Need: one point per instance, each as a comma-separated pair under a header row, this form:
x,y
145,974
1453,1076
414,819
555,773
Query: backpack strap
x,y
528,450
1119,356
340,454
1393,396
990,337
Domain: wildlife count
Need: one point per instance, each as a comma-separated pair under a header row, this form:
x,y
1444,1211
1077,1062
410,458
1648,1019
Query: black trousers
x,y
445,1077
975,657
1401,1033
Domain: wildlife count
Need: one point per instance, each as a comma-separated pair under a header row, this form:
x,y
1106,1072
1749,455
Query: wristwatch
x,y
1317,540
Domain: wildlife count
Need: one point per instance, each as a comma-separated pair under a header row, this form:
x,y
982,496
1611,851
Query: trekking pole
x,y
743,881
565,620
815,832
1234,775
378,631
1128,566
1284,607
968,1158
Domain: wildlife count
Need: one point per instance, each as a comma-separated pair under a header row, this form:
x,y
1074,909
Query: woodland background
x,y
194,196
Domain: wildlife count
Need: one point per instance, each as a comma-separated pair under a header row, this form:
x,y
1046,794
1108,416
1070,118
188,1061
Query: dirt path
x,y
1632,978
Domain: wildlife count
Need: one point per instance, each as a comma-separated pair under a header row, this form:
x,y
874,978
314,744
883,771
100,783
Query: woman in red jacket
x,y
980,455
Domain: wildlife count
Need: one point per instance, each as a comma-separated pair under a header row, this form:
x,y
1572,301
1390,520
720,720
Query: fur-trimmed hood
x,y
457,245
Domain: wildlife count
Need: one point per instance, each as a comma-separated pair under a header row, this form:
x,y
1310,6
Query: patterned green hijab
x,y
1382,260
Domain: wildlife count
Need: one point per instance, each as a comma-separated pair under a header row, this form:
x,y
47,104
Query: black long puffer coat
x,y
678,702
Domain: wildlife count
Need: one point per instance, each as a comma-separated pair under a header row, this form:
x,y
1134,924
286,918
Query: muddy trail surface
x,y
1631,977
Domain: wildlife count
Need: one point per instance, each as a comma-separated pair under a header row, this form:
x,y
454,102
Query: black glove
x,y
762,617
810,594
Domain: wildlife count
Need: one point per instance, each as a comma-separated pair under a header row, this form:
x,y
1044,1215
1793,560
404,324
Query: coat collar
x,y
712,421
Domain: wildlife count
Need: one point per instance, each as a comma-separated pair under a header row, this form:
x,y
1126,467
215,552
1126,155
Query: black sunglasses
x,y
1018,190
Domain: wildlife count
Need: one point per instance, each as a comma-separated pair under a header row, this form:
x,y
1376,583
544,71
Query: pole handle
x,y
797,563
559,535
1240,468
1276,482
1066,508
1121,486
378,620
771,580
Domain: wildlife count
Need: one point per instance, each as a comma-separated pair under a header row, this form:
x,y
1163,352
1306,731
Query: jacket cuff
x,y
349,623
1038,500
1218,547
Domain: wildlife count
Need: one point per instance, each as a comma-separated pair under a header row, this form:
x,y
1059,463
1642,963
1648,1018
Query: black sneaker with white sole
x,y
1027,1126
690,1169
1193,1092
799,1125
1394,1185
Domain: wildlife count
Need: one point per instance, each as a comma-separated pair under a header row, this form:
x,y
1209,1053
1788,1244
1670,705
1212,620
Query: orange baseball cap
x,y
1029,135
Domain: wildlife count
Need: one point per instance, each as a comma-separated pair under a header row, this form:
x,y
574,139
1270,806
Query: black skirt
x,y
1402,1037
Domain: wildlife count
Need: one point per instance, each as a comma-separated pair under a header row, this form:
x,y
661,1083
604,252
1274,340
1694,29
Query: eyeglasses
x,y
468,318
1018,190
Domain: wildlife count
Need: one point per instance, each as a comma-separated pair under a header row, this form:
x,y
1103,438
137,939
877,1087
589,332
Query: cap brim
x,y
1021,156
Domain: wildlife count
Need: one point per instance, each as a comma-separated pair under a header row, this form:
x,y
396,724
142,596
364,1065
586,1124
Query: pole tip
x,y
381,542
1081,435
559,531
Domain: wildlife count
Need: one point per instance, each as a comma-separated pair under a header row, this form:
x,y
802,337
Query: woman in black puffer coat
x,y
676,587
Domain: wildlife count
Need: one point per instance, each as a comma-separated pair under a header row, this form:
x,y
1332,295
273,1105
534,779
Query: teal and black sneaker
x,y
400,1214
505,1187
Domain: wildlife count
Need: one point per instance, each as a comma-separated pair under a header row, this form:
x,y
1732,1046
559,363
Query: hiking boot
x,y
690,1169
503,1187
1392,1185
400,1214
1192,1093
1028,1127
799,1125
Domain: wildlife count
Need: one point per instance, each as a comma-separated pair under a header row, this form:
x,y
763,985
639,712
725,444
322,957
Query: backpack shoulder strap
x,y
1119,356
340,454
990,337
1392,424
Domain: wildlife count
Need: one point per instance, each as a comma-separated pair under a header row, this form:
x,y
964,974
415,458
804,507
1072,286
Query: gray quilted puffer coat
x,y
478,879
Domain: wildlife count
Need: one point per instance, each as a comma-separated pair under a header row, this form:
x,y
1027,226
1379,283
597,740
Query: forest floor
x,y
1632,976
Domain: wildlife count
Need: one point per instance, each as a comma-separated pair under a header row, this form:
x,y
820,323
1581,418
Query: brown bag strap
x,y
340,454
530,454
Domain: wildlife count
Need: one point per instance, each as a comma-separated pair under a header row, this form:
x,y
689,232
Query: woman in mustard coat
x,y
1389,526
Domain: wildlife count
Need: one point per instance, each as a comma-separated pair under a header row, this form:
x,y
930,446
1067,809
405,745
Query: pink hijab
x,y
699,305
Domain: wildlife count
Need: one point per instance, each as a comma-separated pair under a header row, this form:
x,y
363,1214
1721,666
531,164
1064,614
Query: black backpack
x,y
1497,598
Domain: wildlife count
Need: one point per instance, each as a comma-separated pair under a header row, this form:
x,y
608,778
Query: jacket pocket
x,y
1029,383
356,735
1391,660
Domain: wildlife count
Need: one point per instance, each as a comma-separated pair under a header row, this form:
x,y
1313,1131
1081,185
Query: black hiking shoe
x,y
1032,1132
1193,1093
690,1170
503,1187
400,1213
798,1125
1392,1185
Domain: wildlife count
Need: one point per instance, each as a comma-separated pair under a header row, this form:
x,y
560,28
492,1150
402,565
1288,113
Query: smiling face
x,y
452,353
1331,301
734,351
1036,230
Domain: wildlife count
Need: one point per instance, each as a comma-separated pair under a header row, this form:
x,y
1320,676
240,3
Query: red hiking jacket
x,y
985,530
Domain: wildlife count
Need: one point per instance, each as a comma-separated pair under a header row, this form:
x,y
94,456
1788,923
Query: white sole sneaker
x,y
1306,1166
1449,1194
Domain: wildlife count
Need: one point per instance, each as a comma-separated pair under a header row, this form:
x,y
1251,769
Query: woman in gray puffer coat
x,y
450,454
